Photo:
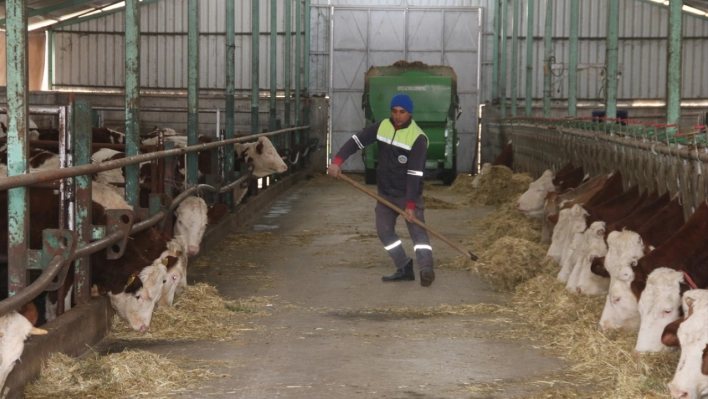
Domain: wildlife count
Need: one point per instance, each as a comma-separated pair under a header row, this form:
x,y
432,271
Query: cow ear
x,y
598,267
670,335
704,364
170,261
259,148
637,288
553,218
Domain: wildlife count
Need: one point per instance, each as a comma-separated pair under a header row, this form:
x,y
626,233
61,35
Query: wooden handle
x,y
416,221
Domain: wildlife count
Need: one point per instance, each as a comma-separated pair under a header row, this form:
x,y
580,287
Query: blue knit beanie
x,y
403,101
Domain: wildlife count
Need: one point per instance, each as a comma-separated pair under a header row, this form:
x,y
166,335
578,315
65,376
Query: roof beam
x,y
96,15
52,8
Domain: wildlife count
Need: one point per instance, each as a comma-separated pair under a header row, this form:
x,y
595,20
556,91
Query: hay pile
x,y
129,373
198,313
462,183
605,362
511,261
506,221
437,203
499,186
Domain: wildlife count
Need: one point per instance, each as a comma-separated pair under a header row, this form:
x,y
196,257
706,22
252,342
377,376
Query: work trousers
x,y
386,229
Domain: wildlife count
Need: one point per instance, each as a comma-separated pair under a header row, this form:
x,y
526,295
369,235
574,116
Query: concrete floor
x,y
328,334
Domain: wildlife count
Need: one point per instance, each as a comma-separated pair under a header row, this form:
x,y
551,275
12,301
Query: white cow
x,y
191,222
136,303
263,155
582,280
658,306
691,378
14,330
486,168
532,200
570,222
624,250
175,260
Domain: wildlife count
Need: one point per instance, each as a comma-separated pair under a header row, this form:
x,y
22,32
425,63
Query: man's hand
x,y
333,170
409,215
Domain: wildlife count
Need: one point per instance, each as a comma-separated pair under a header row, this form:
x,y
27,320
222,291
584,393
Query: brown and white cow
x,y
14,330
592,245
659,305
262,155
486,168
191,222
531,201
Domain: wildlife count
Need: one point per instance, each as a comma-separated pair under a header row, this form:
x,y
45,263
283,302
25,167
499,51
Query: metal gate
x,y
362,37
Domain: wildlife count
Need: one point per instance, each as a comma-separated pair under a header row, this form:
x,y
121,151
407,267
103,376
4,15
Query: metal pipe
x,y
515,57
529,56
18,148
49,175
132,98
81,155
273,61
229,123
236,182
573,60
548,53
97,245
36,288
495,53
298,59
50,64
306,74
193,90
503,73
612,59
673,89
287,73
186,193
255,55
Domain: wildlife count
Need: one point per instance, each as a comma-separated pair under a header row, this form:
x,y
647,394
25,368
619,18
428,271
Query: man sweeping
x,y
402,151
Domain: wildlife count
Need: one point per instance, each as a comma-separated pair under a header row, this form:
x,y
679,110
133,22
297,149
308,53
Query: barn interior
x,y
555,128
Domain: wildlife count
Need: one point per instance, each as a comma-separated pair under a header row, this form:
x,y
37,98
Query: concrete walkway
x,y
334,330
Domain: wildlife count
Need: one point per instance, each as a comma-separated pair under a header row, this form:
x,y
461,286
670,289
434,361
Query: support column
x,y
515,58
17,142
255,54
495,53
298,61
612,58
673,89
193,91
132,99
273,62
548,53
306,85
287,63
230,92
81,150
503,72
573,60
529,56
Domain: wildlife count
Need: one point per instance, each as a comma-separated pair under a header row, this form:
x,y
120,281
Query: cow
x,y
506,157
15,328
569,180
624,249
593,245
486,168
659,305
531,201
570,222
192,219
99,135
639,216
616,207
263,157
691,332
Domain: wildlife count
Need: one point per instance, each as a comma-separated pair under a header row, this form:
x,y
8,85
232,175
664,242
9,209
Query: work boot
x,y
405,274
427,277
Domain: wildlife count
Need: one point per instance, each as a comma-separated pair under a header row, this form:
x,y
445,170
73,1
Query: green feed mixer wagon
x,y
434,93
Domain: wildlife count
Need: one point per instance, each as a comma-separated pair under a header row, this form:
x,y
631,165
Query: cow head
x,y
264,157
14,330
173,277
191,223
691,378
624,249
532,200
137,301
486,168
582,279
570,222
659,305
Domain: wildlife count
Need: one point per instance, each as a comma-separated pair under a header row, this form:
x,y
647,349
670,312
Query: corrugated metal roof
x,y
45,12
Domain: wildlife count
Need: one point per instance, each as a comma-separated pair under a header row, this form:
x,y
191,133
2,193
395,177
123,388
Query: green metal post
x,y
529,56
495,52
273,62
673,89
230,92
612,58
306,85
132,98
193,90
255,55
298,61
503,72
548,53
18,143
287,63
50,65
81,150
573,60
515,58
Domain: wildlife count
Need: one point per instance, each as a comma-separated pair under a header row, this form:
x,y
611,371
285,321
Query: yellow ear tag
x,y
130,280
165,261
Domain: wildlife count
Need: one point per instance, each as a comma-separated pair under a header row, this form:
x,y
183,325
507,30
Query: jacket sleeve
x,y
356,143
416,168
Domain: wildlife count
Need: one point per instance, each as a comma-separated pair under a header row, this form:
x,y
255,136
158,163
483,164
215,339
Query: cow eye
x,y
668,311
634,263
137,297
164,281
174,278
179,222
616,299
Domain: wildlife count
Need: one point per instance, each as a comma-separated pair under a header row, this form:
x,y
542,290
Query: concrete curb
x,y
85,325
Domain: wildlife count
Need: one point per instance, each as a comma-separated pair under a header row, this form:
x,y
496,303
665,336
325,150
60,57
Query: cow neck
x,y
689,280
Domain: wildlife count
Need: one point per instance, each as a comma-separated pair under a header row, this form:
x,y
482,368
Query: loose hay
x,y
505,221
499,186
567,323
198,313
510,261
442,310
436,203
125,374
462,183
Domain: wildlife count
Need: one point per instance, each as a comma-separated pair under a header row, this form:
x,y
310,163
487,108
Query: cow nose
x,y
579,290
677,393
143,328
193,250
518,205
600,327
